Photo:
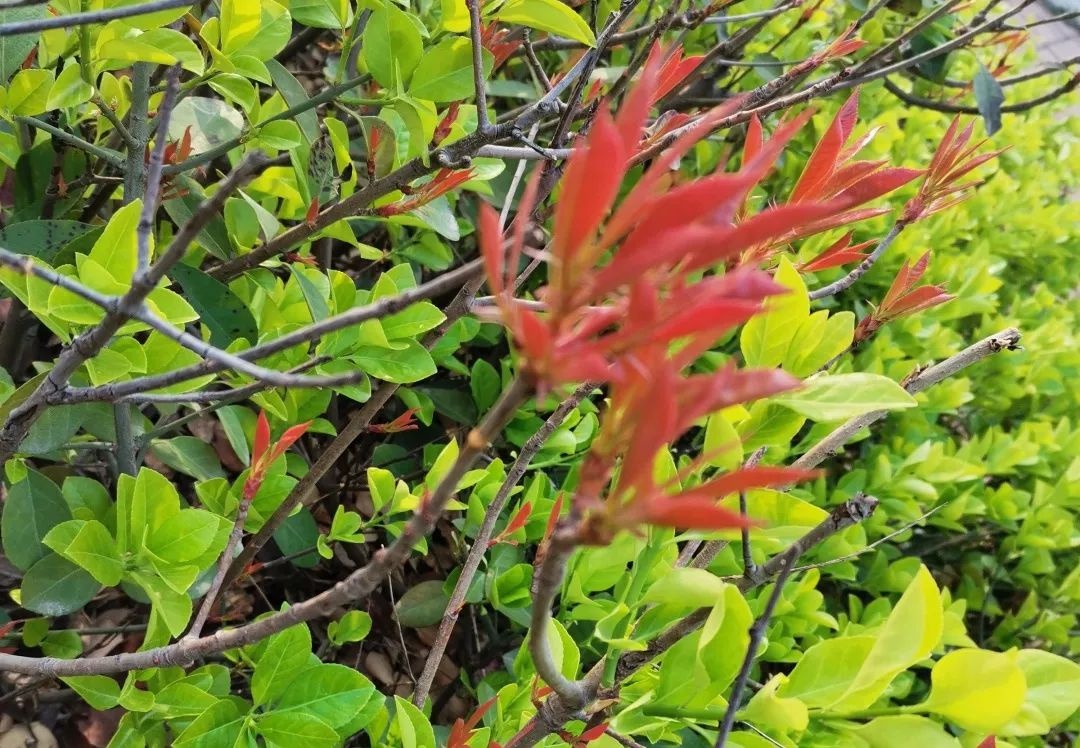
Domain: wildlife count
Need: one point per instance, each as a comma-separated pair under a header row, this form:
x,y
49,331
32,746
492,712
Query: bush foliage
x,y
537,373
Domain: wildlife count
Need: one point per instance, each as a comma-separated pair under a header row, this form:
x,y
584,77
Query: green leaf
x,y
412,321
1053,693
254,29
316,288
410,364
820,339
547,15
722,447
99,691
54,587
336,694
976,689
224,314
833,397
116,250
213,236
445,72
189,455
909,635
392,47
455,16
34,506
295,95
171,607
422,605
286,654
905,730
413,726
295,729
825,671
15,48
989,97
220,725
689,588
351,627
28,93
184,536
485,384
766,339
297,533
320,14
69,89
88,544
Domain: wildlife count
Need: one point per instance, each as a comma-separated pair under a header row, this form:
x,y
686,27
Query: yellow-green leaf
x,y
547,15
766,339
976,689
833,397
28,93
116,248
69,89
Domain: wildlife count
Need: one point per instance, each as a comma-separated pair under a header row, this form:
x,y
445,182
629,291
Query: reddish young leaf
x,y
261,442
840,252
989,742
694,513
822,162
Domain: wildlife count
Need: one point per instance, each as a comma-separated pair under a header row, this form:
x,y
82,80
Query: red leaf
x,y
261,442
516,523
877,184
905,280
312,212
692,513
839,253
592,734
752,477
819,168
491,247
289,438
989,742
918,300
753,141
590,185
479,712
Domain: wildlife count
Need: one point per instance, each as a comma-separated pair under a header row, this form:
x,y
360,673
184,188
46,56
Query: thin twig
x,y
757,633
36,25
483,124
487,529
1008,339
862,268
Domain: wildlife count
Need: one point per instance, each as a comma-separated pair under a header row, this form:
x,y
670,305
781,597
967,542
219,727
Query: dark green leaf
x,y
224,314
989,96
213,236
295,729
294,95
298,533
190,456
423,605
14,49
34,506
54,586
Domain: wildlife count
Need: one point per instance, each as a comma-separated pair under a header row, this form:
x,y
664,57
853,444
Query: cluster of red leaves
x,y
626,303
953,160
263,453
903,298
444,181
832,173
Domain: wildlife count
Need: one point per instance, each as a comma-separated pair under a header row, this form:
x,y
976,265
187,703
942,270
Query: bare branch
x,y
862,268
95,16
1006,340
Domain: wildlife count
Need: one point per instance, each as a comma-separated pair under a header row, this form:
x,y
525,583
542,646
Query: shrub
x,y
684,475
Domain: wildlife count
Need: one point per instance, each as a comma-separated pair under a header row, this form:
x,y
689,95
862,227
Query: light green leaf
x,y
295,729
190,456
766,339
413,726
839,396
220,725
547,15
904,731
336,694
98,691
286,654
769,710
1053,692
88,544
28,93
116,249
392,46
445,72
976,689
184,536
410,364
69,89
351,627
690,588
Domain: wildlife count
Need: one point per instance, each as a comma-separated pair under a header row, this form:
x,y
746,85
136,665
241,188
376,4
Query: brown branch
x,y
1008,339
948,107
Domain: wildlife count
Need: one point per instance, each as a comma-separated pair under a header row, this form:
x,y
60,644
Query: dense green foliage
x,y
946,618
